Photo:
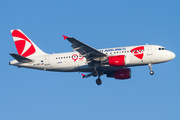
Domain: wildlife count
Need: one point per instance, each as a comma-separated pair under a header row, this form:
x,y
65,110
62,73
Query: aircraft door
x,y
149,49
46,60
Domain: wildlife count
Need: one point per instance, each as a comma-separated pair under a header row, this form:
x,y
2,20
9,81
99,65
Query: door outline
x,y
149,49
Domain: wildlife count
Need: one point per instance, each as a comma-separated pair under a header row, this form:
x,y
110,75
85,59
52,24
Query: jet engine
x,y
120,74
119,60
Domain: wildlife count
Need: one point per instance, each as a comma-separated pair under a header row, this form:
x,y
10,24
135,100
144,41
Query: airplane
x,y
113,62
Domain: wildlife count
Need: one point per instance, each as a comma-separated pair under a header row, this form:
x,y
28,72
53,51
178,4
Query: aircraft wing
x,y
85,50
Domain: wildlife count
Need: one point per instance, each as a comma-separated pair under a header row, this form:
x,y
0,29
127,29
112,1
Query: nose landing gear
x,y
151,72
150,68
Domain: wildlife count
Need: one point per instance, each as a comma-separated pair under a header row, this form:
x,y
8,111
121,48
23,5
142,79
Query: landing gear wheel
x,y
98,81
151,72
150,68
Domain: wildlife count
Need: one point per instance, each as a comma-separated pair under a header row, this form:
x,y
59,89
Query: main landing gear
x,y
98,81
95,73
98,73
150,68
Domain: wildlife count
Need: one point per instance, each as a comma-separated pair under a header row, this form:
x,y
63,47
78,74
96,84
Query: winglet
x,y
65,37
83,75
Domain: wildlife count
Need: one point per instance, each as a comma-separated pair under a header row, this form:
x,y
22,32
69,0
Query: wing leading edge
x,y
88,52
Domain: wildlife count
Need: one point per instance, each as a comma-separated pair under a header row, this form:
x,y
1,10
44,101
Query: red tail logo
x,y
23,44
138,52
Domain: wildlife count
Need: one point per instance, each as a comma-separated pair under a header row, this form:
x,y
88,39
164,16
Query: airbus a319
x,y
113,62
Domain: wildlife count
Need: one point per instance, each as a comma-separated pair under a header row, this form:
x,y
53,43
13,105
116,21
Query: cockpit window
x,y
162,49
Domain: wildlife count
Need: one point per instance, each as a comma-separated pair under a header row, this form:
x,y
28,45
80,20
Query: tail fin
x,y
25,47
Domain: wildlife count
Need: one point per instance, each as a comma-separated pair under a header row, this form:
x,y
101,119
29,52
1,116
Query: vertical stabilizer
x,y
25,47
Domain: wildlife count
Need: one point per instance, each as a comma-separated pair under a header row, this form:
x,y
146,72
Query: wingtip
x,y
83,75
65,37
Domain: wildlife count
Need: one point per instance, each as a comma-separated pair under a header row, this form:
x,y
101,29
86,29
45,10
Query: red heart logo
x,y
138,52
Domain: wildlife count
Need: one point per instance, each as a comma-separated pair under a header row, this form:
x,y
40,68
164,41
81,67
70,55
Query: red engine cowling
x,y
116,60
121,74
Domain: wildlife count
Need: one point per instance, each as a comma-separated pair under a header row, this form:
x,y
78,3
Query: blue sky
x,y
27,94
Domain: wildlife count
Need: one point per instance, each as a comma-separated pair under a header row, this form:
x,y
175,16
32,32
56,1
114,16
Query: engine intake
x,y
121,74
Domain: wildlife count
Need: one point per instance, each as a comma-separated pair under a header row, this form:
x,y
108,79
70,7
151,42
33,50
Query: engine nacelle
x,y
121,74
115,60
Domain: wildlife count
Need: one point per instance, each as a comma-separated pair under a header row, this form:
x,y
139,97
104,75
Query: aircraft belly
x,y
85,68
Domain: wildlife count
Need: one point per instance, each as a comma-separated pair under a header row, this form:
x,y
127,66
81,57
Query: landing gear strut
x,y
98,81
98,73
150,68
95,73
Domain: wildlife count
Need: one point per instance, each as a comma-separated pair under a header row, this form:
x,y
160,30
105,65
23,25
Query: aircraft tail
x,y
20,58
25,47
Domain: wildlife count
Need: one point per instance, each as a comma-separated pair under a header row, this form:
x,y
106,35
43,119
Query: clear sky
x,y
27,94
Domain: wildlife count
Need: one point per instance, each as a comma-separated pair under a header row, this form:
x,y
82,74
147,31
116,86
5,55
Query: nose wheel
x,y
150,68
151,72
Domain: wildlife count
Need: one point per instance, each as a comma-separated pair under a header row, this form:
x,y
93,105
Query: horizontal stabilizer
x,y
20,58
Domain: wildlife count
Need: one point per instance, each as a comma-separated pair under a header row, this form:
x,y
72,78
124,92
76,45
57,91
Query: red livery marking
x,y
80,58
65,37
138,52
75,57
21,44
83,75
116,60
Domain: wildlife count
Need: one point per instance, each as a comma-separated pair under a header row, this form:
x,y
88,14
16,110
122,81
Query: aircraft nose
x,y
172,55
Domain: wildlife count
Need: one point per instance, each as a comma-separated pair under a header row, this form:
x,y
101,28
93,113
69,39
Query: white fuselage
x,y
73,61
